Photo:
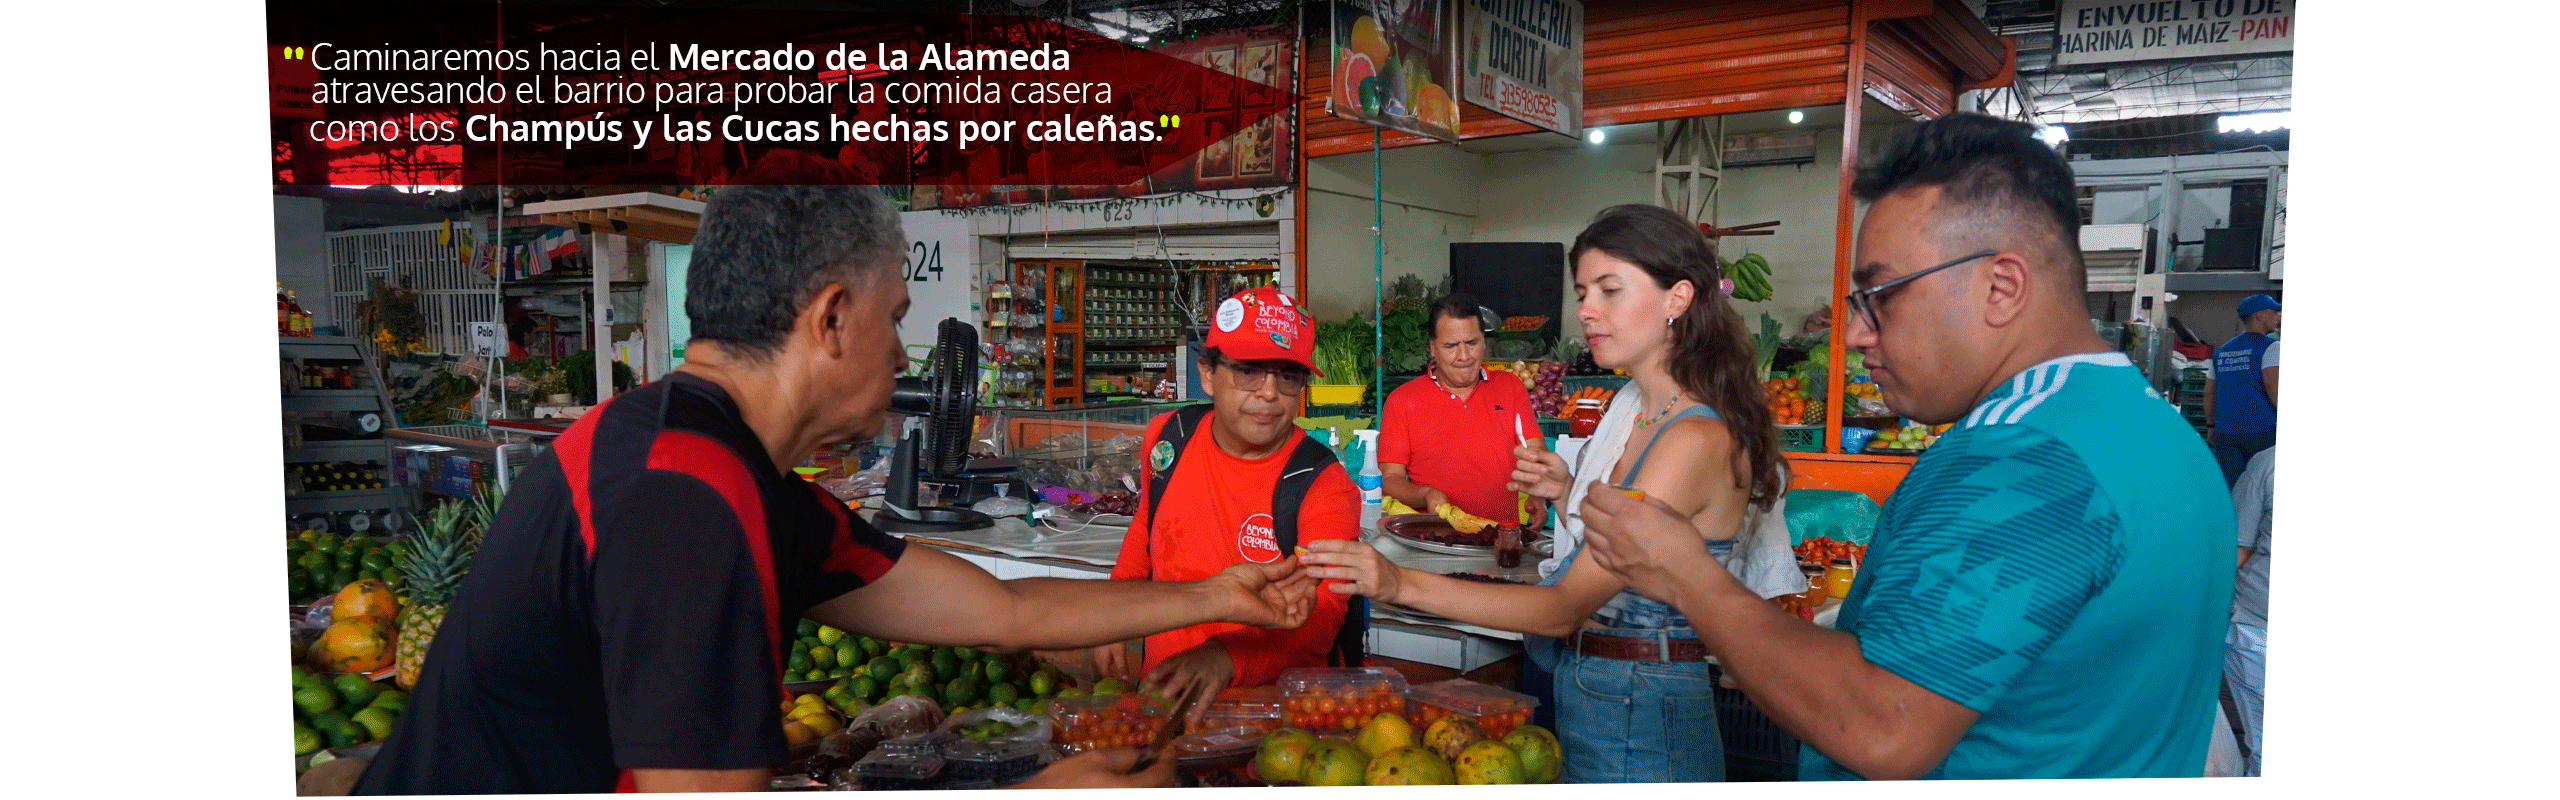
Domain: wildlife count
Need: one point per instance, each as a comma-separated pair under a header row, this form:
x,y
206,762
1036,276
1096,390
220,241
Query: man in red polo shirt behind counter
x,y
1237,481
1446,437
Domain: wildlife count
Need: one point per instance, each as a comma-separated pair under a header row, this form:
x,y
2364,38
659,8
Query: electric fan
x,y
946,397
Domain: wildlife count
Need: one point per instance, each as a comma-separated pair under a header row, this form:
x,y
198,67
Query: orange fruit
x,y
367,598
355,645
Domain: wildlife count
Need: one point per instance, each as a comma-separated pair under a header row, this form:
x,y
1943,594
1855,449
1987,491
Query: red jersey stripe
x,y
714,464
625,783
842,554
573,448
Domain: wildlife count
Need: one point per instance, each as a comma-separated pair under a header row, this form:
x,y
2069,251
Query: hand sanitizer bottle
x,y
1372,482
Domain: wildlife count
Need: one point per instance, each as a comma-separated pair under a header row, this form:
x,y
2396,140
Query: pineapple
x,y
439,553
1813,412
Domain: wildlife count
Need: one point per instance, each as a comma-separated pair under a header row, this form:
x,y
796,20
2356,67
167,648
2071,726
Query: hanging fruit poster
x,y
1393,67
1251,140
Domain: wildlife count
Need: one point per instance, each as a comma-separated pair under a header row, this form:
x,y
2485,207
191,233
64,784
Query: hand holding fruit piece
x,y
1277,595
1355,568
1645,543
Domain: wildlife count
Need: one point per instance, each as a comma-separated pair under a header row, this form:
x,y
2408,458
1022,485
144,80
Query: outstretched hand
x,y
1207,668
1354,567
1645,543
1276,595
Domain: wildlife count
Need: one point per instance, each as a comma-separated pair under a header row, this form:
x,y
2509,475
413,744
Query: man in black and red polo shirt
x,y
625,623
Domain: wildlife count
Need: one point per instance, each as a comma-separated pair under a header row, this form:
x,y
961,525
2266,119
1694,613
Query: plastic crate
x,y
1609,382
1551,426
1802,438
1755,748
1336,394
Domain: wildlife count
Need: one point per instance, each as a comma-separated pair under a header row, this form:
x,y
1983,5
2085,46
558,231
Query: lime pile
x,y
868,671
345,712
319,563
990,729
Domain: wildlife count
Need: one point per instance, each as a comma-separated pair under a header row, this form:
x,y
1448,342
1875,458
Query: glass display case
x,y
1088,448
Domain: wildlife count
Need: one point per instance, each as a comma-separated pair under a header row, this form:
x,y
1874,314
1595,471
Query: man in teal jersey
x,y
2046,593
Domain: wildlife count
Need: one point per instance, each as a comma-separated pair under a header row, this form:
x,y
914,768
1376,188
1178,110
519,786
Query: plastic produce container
x,y
1039,729
1098,721
1256,707
990,764
887,769
1338,700
1497,709
1217,748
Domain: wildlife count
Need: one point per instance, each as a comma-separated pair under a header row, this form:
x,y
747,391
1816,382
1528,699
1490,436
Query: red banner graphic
x,y
445,94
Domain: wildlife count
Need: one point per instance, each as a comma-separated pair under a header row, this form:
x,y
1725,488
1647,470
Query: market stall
x,y
1670,63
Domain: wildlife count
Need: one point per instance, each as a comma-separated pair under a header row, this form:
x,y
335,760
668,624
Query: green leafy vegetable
x,y
1343,348
1765,343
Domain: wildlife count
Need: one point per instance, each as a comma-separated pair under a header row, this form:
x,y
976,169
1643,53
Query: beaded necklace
x,y
1643,423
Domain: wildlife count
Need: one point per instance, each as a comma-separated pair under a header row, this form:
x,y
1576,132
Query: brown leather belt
x,y
1634,648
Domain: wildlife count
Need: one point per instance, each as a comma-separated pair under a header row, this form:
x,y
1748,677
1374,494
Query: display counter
x,y
1061,549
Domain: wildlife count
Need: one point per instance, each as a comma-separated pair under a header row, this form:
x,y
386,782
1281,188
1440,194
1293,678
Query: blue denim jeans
x,y
2232,452
1635,721
1630,721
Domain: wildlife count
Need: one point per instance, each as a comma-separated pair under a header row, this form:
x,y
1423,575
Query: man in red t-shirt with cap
x,y
1250,489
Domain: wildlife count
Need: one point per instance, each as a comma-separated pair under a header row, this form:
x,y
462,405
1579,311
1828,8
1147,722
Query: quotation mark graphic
x,y
295,53
1164,121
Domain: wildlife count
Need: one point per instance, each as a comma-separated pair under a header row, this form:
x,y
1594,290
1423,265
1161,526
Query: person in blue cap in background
x,y
2240,392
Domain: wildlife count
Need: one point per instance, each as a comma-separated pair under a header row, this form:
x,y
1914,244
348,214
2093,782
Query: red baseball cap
x,y
1261,324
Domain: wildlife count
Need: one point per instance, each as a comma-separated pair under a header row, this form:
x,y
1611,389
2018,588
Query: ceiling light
x,y
1795,117
2261,122
1596,136
2053,135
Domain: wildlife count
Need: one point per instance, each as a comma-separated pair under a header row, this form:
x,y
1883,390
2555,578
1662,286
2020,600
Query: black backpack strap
x,y
1170,440
1306,463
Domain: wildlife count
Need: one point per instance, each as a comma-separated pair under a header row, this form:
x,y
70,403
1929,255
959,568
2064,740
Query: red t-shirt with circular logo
x,y
1216,512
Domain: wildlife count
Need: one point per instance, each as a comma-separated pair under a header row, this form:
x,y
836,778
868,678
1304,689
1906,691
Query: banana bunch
x,y
1750,275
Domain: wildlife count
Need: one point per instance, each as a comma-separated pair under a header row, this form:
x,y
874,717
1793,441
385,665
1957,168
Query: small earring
x,y
1666,321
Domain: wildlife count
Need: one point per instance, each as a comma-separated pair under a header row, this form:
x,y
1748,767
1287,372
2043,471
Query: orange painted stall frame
x,y
1651,60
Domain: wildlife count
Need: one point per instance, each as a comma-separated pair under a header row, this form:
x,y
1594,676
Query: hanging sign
x,y
1394,68
938,261
1523,59
2101,32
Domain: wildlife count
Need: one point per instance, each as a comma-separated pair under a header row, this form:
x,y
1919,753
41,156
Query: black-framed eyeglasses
x,y
1249,377
1864,300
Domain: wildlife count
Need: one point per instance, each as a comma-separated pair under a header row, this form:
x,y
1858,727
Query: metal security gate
x,y
451,294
